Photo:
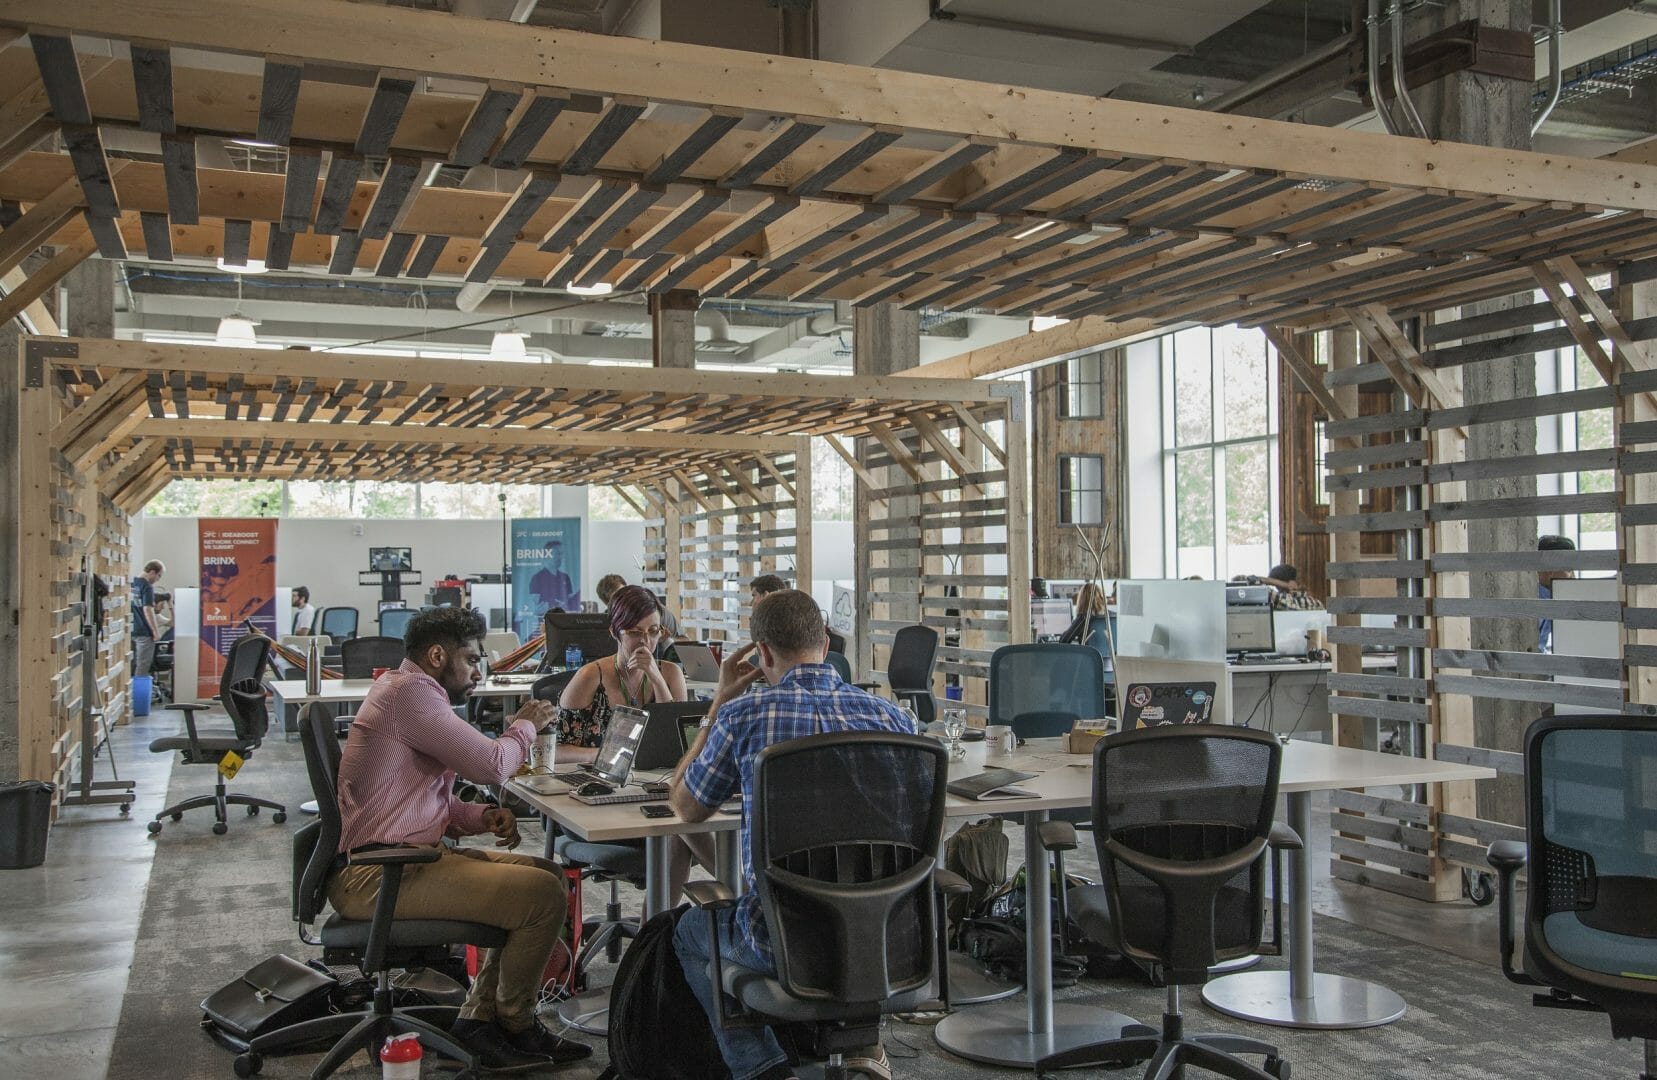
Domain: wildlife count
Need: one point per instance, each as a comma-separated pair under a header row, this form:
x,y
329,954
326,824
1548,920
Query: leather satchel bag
x,y
273,994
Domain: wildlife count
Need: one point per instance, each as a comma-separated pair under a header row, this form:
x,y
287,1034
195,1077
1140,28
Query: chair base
x,y
221,800
1173,1051
364,1032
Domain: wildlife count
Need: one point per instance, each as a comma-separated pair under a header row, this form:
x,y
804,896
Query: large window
x,y
1220,452
330,499
1082,392
1081,489
1564,370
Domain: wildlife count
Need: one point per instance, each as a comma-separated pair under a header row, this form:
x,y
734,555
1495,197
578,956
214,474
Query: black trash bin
x,y
25,818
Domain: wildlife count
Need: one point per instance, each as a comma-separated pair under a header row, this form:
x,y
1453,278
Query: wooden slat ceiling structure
x,y
213,412
654,166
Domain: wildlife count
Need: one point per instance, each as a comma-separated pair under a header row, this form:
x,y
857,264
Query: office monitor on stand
x,y
1249,630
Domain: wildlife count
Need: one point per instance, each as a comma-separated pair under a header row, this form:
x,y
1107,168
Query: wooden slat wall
x,y
1417,453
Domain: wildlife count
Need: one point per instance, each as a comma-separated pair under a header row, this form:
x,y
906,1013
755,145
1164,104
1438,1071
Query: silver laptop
x,y
614,765
697,661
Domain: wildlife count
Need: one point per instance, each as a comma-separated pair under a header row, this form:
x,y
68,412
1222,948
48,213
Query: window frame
x,y
1066,492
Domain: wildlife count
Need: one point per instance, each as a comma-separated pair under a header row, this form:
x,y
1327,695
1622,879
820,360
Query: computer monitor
x,y
590,632
387,559
1051,617
1250,629
388,605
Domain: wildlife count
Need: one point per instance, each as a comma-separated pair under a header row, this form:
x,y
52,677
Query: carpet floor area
x,y
216,905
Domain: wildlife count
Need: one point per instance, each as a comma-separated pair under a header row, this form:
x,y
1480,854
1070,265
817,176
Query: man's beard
x,y
459,695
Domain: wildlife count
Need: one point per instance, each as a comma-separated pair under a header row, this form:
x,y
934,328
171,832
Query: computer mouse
x,y
594,787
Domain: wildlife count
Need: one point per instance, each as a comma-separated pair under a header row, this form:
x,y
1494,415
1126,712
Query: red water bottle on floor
x,y
400,1058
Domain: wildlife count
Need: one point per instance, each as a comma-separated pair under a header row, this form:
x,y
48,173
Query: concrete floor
x,y
65,973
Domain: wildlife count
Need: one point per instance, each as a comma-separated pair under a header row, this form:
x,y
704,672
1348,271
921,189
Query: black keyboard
x,y
1261,658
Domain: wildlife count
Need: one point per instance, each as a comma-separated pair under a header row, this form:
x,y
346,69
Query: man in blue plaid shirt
x,y
803,696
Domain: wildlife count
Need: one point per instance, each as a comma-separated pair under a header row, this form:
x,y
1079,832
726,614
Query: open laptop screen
x,y
616,753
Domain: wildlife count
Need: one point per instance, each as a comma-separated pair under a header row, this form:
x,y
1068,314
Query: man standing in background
x,y
145,628
1544,587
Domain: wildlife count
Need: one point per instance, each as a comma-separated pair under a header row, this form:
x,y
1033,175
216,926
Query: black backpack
x,y
649,997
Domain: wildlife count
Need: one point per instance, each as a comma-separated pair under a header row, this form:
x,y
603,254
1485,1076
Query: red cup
x,y
380,671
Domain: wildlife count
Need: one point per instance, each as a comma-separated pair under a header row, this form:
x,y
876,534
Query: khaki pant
x,y
521,894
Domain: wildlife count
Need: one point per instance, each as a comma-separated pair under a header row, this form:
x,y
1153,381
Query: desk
x,y
998,1035
1287,696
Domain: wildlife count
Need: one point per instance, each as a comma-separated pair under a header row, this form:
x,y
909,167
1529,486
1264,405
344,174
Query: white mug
x,y
999,739
545,751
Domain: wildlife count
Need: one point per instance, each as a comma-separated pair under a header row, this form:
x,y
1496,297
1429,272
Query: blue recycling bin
x,y
142,685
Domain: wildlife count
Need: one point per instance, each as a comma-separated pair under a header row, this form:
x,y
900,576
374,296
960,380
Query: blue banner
x,y
546,570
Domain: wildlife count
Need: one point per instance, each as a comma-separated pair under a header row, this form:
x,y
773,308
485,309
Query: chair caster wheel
x,y
154,827
253,811
178,817
126,808
1278,1068
249,1064
220,828
279,817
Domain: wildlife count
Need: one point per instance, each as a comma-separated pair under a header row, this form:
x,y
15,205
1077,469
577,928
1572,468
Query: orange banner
x,y
238,585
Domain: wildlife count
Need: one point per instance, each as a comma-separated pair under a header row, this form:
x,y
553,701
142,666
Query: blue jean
x,y
748,1051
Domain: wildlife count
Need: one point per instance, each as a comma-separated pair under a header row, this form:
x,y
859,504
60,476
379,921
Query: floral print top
x,y
585,727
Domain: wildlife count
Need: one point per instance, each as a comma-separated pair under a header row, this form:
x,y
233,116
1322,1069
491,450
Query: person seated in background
x,y
607,586
805,697
396,787
1544,586
633,677
304,615
1291,595
764,586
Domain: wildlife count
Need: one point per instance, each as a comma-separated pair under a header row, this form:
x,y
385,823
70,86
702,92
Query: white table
x,y
997,1034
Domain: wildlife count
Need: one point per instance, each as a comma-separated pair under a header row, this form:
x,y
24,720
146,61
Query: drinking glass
x,y
955,725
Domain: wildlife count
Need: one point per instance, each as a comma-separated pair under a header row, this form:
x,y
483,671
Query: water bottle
x,y
400,1057
313,668
572,657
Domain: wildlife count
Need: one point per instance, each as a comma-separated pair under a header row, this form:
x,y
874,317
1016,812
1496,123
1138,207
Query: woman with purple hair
x,y
633,676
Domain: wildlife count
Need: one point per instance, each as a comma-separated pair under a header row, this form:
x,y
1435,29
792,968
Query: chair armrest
x,y
949,883
1057,835
187,706
1507,856
867,687
397,856
1284,838
711,895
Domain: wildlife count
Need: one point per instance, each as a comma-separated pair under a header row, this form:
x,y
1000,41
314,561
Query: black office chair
x,y
394,621
1590,923
339,623
909,669
243,697
376,947
840,664
837,642
844,832
162,668
1181,820
551,687
359,656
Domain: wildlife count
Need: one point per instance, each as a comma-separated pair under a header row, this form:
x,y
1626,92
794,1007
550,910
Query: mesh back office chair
x,y
377,946
394,621
243,697
339,623
840,664
845,829
359,656
1040,691
837,642
1590,921
909,669
551,687
1181,819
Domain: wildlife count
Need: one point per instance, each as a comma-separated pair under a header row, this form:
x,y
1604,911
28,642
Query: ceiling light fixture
x,y
508,342
236,329
252,266
597,288
1038,323
1034,229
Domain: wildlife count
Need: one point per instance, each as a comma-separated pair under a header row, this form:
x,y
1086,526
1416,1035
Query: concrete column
x,y
1489,111
11,578
885,339
673,328
89,300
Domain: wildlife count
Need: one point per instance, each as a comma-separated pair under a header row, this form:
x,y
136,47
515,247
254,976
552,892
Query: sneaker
x,y
494,1047
536,1039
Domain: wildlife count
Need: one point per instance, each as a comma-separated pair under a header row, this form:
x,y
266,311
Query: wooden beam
x,y
971,424
951,453
1309,374
35,315
1633,353
38,224
494,106
278,98
899,452
776,474
98,403
54,271
690,489
1585,338
321,432
1093,331
1386,340
621,490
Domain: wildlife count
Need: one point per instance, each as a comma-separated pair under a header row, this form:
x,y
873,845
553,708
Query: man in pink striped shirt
x,y
396,783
